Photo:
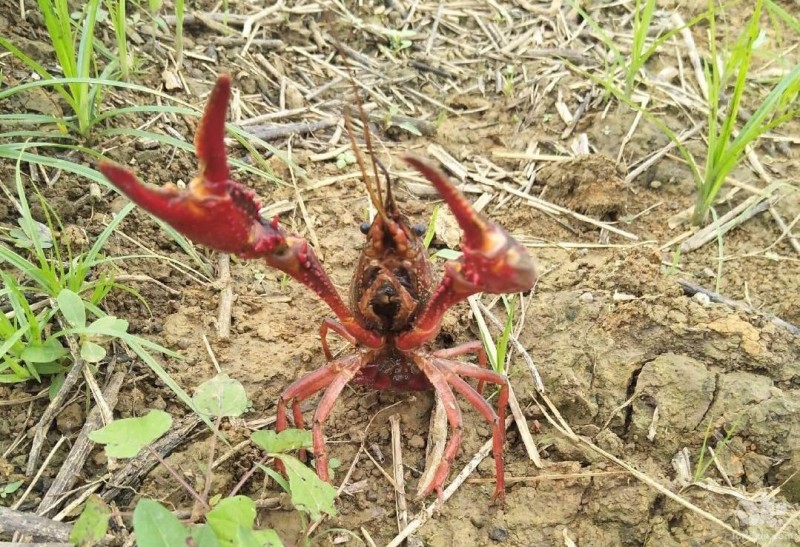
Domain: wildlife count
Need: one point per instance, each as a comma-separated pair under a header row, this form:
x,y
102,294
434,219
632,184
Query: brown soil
x,y
613,335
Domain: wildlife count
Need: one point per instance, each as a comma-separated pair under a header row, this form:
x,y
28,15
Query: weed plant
x,y
228,519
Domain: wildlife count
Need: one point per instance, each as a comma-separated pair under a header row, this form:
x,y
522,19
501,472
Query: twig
x,y
28,524
399,476
426,513
793,241
74,461
746,210
437,440
134,471
658,154
225,297
50,413
38,475
281,131
690,289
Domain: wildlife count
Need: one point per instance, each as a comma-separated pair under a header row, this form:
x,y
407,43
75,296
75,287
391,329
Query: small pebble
x,y
622,297
655,184
372,495
498,533
416,442
477,521
702,299
586,297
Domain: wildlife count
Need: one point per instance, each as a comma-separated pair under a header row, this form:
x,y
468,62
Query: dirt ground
x,y
632,362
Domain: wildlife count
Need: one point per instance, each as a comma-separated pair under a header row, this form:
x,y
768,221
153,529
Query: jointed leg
x,y
306,387
453,412
332,324
475,346
451,371
347,368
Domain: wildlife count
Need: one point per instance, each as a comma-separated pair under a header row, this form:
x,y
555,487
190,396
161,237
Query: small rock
x,y
586,297
416,442
756,467
701,298
70,419
372,495
656,184
498,533
477,521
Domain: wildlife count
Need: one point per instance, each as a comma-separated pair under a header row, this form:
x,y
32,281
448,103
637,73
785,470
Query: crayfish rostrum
x,y
395,310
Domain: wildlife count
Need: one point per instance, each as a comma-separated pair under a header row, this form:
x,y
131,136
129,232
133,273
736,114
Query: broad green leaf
x,y
247,537
203,536
285,441
220,396
125,438
92,525
50,351
9,488
309,493
108,325
72,308
91,352
230,514
155,526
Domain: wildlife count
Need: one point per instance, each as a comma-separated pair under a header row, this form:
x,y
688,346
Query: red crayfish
x,y
395,312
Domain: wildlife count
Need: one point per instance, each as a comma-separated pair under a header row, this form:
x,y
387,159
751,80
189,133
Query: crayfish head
x,y
393,278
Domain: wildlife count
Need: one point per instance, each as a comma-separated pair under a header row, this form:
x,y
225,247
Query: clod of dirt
x,y
587,184
416,442
70,419
682,389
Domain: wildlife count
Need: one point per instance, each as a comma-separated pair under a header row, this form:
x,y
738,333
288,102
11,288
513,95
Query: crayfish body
x,y
395,309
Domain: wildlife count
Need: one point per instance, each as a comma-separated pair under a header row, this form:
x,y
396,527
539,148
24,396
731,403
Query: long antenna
x,y
375,192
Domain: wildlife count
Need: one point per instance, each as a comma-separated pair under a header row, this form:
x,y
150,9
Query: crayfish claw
x,y
209,142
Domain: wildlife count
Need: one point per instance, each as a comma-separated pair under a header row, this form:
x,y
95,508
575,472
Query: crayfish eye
x,y
364,228
419,229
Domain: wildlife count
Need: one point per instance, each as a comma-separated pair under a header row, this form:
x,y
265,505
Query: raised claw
x,y
492,261
222,214
213,211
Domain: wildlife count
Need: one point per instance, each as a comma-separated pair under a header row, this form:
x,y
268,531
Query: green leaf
x,y
108,325
203,536
155,526
9,488
274,475
285,441
447,254
55,385
50,351
268,537
220,396
125,438
91,352
72,308
92,525
230,514
309,493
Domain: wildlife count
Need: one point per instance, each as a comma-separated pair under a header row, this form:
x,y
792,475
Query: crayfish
x,y
395,311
